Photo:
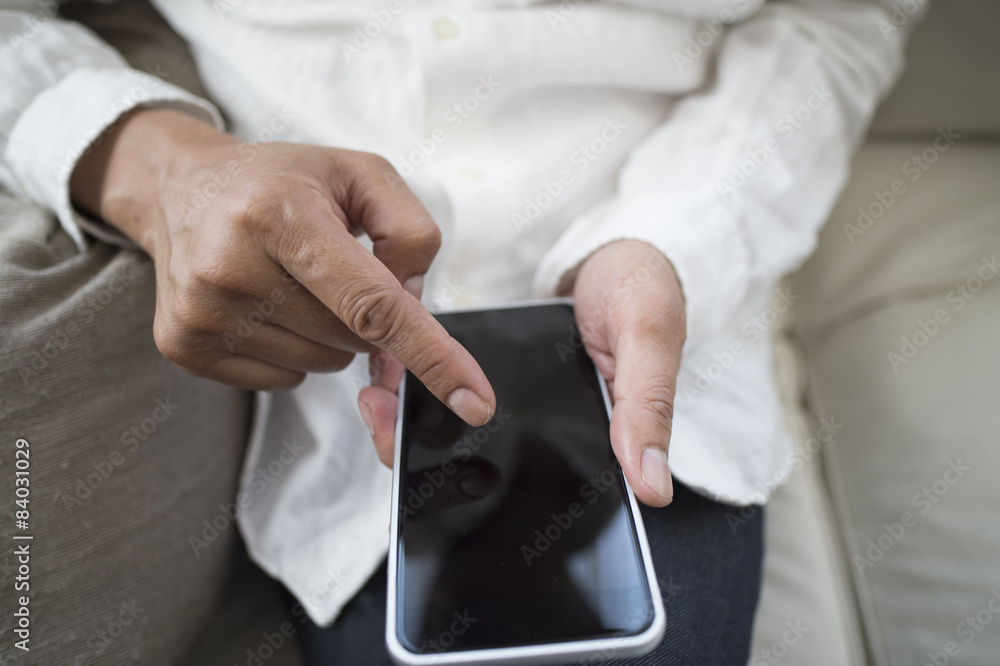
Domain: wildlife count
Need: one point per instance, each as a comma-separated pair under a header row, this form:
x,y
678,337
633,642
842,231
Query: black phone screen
x,y
518,532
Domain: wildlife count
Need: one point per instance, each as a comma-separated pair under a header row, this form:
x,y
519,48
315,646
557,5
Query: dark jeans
x,y
708,567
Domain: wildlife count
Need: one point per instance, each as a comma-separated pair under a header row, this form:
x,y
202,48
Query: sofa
x,y
882,547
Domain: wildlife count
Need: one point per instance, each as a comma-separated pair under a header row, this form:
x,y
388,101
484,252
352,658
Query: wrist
x,y
122,178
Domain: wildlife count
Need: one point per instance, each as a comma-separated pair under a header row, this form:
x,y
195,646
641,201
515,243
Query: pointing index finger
x,y
368,298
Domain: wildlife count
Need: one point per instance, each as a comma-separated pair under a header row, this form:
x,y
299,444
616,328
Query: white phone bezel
x,y
552,653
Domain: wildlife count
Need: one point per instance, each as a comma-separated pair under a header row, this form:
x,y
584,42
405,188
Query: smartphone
x,y
517,542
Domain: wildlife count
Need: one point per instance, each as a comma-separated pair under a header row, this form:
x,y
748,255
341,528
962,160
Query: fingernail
x,y
415,285
366,416
656,473
470,407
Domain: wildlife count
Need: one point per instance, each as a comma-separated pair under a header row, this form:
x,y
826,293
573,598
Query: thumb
x,y
645,378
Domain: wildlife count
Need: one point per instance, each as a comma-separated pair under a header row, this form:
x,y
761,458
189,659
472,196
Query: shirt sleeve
x,y
62,89
734,186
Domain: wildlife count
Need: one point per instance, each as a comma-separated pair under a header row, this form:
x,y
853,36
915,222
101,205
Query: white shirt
x,y
719,131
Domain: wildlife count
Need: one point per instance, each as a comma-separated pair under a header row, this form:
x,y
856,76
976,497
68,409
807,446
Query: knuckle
x,y
663,324
648,328
214,267
263,216
659,402
379,163
287,381
332,360
214,272
373,313
302,254
187,313
376,172
340,361
251,380
433,373
425,238
175,343
165,339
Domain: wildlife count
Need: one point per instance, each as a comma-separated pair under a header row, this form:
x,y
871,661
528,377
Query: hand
x,y
259,278
630,311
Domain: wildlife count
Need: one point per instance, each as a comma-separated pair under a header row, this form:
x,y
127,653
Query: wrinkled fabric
x,y
718,132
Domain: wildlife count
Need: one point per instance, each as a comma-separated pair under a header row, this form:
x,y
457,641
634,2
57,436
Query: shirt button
x,y
444,28
470,173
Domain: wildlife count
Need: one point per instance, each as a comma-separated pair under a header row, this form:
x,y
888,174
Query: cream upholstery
x,y
805,580
923,423
916,425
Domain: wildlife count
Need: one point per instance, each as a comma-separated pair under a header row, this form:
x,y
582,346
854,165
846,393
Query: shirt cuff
x,y
696,232
47,142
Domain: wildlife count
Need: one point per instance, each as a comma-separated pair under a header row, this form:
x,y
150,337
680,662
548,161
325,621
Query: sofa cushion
x,y
806,608
129,456
950,76
899,326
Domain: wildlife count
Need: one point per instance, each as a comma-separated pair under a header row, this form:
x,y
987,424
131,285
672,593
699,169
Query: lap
x,y
709,576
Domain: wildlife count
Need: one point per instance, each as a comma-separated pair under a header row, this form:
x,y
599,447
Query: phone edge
x,y
625,646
